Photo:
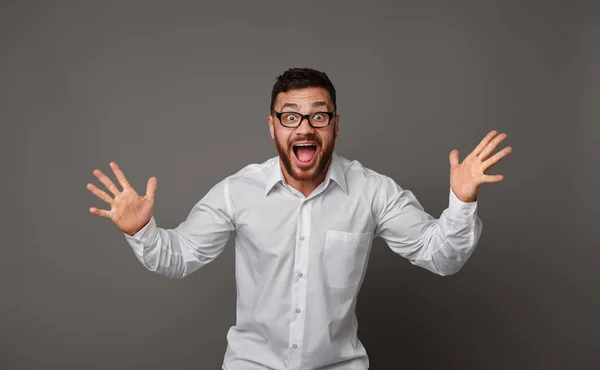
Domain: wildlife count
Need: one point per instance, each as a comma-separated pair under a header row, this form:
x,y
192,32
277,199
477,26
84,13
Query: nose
x,y
305,127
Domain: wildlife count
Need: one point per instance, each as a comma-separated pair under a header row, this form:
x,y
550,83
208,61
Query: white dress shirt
x,y
300,261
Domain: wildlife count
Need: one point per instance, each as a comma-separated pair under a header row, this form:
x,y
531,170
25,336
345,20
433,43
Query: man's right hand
x,y
128,210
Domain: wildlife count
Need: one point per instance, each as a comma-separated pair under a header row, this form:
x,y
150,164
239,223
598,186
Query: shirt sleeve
x,y
441,245
199,239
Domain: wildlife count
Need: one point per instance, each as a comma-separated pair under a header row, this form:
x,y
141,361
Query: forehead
x,y
303,98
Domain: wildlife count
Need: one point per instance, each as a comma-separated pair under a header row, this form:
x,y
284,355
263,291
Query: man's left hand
x,y
466,177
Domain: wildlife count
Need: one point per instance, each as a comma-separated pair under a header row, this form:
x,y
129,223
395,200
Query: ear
x,y
271,127
337,125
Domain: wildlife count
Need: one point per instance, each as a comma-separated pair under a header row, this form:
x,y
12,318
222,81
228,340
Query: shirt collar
x,y
335,172
274,175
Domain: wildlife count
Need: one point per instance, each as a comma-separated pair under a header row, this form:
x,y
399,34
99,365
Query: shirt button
x,y
466,213
300,274
301,238
298,310
294,346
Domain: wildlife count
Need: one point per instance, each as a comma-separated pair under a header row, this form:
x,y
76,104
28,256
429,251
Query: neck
x,y
306,187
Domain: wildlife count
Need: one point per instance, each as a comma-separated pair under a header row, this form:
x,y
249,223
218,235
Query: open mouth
x,y
305,152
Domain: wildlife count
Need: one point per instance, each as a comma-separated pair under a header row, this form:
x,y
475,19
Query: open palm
x,y
466,177
128,210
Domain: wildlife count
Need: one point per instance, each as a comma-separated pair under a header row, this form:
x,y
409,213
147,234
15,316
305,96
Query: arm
x,y
441,245
176,253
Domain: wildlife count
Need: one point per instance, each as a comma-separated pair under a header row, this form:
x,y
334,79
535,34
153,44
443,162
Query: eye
x,y
319,117
289,117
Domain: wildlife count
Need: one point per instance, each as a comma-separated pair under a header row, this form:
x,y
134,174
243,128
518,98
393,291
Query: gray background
x,y
180,90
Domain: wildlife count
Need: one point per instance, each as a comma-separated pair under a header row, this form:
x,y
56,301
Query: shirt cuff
x,y
459,210
145,235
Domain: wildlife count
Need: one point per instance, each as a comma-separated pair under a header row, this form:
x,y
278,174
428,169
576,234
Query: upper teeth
x,y
304,144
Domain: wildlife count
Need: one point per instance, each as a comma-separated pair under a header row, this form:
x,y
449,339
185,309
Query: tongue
x,y
305,153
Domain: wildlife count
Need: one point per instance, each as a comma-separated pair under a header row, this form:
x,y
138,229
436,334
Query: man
x,y
304,224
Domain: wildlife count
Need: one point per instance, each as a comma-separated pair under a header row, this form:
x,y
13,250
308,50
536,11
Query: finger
x,y
151,188
492,146
120,175
496,157
454,158
106,181
101,212
492,178
486,140
100,194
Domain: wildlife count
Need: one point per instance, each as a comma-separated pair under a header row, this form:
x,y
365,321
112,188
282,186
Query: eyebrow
x,y
291,105
295,106
319,104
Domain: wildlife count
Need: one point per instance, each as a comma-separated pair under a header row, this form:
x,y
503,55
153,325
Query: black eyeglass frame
x,y
303,116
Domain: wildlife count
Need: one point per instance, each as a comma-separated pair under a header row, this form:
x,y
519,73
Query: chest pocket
x,y
344,257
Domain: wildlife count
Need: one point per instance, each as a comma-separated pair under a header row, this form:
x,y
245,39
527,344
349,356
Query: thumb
x,y
151,188
453,158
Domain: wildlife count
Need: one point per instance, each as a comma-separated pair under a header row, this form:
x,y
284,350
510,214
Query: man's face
x,y
304,162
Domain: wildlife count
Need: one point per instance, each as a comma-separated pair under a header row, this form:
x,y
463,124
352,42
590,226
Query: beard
x,y
324,153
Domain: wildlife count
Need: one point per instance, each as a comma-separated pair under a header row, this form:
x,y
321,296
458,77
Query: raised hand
x,y
466,177
128,210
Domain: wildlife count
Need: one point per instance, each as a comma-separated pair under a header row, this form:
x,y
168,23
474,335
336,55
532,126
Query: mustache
x,y
309,137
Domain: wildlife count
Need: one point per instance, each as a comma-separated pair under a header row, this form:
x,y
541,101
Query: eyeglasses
x,y
293,119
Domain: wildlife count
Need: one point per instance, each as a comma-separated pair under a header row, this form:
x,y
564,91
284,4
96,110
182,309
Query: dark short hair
x,y
299,78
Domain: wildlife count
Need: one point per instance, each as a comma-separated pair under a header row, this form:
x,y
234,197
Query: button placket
x,y
299,286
